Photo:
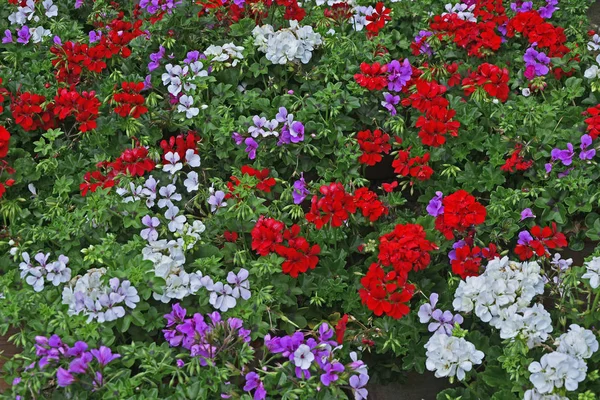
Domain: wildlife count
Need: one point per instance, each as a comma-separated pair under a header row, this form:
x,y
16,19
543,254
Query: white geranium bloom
x,y
557,370
192,158
221,297
451,356
50,9
175,221
303,357
240,284
172,165
169,194
191,182
578,342
593,272
38,33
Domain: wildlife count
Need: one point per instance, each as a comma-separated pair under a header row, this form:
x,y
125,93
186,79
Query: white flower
x,y
556,370
150,233
221,297
526,92
578,342
26,265
149,190
192,158
594,44
286,45
176,221
23,14
173,165
58,272
185,105
240,284
191,182
38,33
36,279
51,10
451,356
303,357
169,195
129,293
533,394
593,272
593,72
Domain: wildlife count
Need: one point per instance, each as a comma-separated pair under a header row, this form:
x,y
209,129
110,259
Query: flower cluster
x,y
128,101
501,296
451,356
373,145
489,78
456,212
538,240
415,167
88,295
56,272
593,272
336,205
293,44
516,161
405,249
77,364
386,293
27,111
84,107
207,338
536,63
466,260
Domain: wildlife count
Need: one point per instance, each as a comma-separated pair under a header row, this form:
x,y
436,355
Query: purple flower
x,y
547,10
520,6
425,48
444,322
148,82
282,115
524,238
80,365
78,349
155,59
7,37
95,36
548,167
586,141
98,381
537,60
216,200
78,3
299,191
561,263
257,129
64,377
435,206
358,383
527,213
237,138
251,147
180,363
16,381
56,40
399,74
104,355
176,316
253,382
23,35
564,173
390,101
427,309
331,373
193,56
565,156
150,233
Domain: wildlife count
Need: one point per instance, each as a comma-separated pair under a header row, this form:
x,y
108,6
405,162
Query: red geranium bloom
x,y
377,20
401,163
300,255
230,236
385,293
405,249
180,144
129,101
266,235
389,187
428,94
516,162
461,211
419,168
368,202
340,329
334,207
373,76
373,145
593,122
4,140
28,113
468,260
435,124
493,79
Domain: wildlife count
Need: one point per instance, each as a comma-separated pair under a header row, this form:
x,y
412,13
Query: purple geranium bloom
x,y
237,138
56,40
299,191
527,213
64,377
547,11
180,363
155,59
427,309
193,56
78,3
23,35
282,115
586,141
565,173
216,200
425,48
565,156
257,129
399,74
104,355
390,101
251,147
536,62
435,206
331,373
524,238
444,322
80,365
7,37
520,6
358,383
253,382
78,349
176,316
95,36
548,167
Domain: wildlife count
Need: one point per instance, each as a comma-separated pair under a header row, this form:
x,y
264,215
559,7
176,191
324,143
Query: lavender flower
x,y
64,377
424,47
7,37
95,36
520,6
426,309
399,74
390,102
253,382
331,373
565,156
548,10
527,213
586,141
216,200
444,322
237,138
524,238
536,63
251,147
155,59
435,206
150,233
299,191
358,383
104,355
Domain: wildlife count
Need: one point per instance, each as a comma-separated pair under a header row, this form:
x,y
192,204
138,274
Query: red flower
x,y
428,94
389,187
543,239
461,212
419,168
373,144
180,144
4,140
405,249
516,162
435,124
493,79
468,260
266,235
130,101
334,207
83,107
377,20
385,293
593,122
369,204
93,180
300,256
400,163
340,329
230,236
372,77
28,113
134,162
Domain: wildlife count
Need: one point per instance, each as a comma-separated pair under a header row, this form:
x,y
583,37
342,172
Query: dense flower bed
x,y
258,199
